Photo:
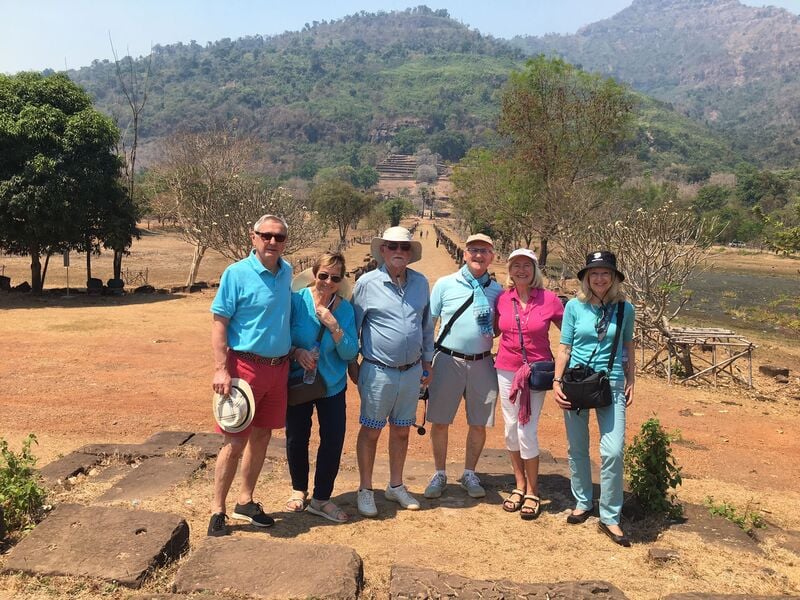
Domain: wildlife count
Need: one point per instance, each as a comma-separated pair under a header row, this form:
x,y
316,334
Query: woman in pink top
x,y
536,308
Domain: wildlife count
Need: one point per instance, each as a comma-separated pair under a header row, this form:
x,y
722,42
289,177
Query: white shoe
x,y
402,497
366,503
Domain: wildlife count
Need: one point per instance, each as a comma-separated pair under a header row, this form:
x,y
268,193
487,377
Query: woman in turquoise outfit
x,y
587,335
320,305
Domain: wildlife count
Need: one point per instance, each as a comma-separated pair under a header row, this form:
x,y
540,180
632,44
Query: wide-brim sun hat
x,y
234,412
306,279
601,259
526,252
395,234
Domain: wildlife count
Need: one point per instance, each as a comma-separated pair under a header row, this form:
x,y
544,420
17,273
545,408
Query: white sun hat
x,y
396,234
235,412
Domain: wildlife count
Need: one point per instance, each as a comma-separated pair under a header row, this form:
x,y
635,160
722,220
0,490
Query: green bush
x,y
21,497
652,470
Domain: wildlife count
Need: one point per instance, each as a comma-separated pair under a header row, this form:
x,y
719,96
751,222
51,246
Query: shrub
x,y
652,470
21,497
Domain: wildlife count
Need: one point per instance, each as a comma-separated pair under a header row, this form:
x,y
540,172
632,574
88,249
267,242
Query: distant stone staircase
x,y
402,166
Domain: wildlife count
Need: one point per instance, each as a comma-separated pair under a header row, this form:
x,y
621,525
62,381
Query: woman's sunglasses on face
x,y
322,276
267,236
404,246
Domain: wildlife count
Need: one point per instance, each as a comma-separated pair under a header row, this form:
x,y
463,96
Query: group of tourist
x,y
262,331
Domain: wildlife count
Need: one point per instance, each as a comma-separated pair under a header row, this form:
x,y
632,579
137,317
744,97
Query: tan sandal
x,y
297,501
328,510
529,513
511,505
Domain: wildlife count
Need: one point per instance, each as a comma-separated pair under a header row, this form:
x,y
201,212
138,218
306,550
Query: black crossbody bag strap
x,y
443,333
617,335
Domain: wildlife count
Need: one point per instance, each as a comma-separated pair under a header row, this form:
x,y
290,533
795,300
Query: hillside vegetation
x,y
732,67
337,92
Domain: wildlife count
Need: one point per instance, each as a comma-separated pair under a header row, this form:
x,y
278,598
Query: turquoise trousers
x,y
611,424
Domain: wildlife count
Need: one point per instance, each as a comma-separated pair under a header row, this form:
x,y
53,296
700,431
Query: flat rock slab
x,y
58,471
169,439
264,568
698,596
121,451
783,538
207,443
152,477
113,544
412,583
715,529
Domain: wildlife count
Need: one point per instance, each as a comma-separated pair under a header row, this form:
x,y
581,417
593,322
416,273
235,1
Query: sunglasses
x,y
479,250
324,277
404,246
267,236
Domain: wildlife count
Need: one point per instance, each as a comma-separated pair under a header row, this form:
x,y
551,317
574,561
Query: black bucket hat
x,y
602,259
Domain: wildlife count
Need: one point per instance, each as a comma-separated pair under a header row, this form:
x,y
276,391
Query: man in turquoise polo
x,y
250,339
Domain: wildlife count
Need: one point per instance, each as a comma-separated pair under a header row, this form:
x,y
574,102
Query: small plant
x,y
747,520
652,470
21,497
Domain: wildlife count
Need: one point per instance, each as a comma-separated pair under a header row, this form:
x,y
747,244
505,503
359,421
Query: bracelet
x,y
337,330
557,379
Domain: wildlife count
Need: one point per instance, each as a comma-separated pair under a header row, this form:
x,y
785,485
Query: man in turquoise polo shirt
x,y
250,339
465,304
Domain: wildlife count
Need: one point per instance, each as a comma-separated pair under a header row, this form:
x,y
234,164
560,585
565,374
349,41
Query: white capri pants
x,y
519,438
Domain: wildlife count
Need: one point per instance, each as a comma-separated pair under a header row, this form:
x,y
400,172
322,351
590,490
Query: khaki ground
x,y
82,370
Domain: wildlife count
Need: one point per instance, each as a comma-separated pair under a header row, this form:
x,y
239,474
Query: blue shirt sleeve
x,y
568,323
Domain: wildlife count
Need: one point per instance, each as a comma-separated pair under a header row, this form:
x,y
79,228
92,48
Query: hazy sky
x,y
39,34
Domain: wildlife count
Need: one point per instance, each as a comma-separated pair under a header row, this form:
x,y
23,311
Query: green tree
x,y
339,204
407,140
365,177
566,127
397,208
59,175
450,145
711,197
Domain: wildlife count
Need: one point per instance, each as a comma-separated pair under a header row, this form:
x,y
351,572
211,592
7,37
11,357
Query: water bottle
x,y
423,389
309,375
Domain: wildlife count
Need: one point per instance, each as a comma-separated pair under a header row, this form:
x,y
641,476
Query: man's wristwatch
x,y
558,379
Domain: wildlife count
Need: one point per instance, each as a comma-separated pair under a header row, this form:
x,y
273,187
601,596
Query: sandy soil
x,y
82,370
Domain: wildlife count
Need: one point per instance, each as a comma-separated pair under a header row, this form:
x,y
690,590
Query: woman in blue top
x,y
320,305
589,326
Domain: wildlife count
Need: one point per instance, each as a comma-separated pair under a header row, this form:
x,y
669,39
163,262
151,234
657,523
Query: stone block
x,y
773,370
151,478
412,583
662,555
108,543
264,568
59,470
208,443
715,529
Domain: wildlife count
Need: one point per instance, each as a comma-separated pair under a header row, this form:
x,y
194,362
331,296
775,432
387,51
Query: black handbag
x,y
300,392
542,371
586,388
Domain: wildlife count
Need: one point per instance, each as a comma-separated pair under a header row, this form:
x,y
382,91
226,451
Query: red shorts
x,y
269,388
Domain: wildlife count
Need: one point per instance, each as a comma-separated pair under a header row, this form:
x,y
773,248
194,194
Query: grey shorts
x,y
475,380
388,394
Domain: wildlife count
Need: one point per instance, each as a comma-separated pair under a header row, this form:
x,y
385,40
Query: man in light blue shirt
x,y
465,303
250,339
392,313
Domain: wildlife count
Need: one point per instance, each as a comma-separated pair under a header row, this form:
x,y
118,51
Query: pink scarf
x,y
520,391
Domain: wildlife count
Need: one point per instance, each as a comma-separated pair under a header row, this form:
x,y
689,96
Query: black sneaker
x,y
253,513
217,527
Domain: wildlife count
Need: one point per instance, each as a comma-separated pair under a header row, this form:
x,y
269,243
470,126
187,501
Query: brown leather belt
x,y
262,360
463,356
402,368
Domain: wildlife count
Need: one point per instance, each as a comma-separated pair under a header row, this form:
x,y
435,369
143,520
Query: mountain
x,y
730,66
337,91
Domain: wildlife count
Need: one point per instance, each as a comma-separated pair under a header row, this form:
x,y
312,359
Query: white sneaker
x,y
402,497
366,503
471,483
436,486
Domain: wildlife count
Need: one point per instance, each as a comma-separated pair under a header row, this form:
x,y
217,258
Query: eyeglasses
x,y
322,276
479,250
404,246
267,236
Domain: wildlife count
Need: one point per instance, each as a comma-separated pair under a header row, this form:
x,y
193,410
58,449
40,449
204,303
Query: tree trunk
x,y
117,264
44,269
36,271
88,260
197,256
543,252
